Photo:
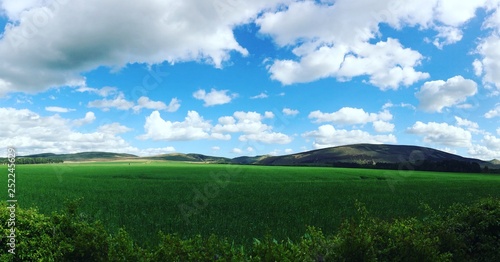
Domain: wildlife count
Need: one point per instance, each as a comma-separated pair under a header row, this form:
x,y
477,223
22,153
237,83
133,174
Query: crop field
x,y
238,202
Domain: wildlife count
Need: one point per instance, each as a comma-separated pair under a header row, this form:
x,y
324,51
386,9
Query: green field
x,y
238,202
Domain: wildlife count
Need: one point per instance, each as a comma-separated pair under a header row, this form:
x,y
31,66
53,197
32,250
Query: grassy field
x,y
239,202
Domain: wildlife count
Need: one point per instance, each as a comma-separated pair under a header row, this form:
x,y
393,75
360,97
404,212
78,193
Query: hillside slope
x,y
83,156
368,155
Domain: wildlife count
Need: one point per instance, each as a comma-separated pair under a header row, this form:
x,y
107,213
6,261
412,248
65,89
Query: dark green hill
x,y
248,159
83,156
190,158
377,156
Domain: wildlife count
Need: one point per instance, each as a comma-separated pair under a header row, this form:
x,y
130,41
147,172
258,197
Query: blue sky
x,y
232,77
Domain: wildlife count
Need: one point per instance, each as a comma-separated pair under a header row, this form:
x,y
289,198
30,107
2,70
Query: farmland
x,y
238,202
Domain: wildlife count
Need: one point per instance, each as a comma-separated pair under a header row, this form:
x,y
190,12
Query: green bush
x,y
460,233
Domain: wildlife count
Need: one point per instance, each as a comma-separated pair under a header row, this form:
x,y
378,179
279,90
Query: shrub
x,y
461,233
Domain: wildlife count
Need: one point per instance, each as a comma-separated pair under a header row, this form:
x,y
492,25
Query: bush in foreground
x,y
461,233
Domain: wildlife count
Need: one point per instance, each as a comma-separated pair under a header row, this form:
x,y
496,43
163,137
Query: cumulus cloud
x,y
260,96
442,134
436,95
214,97
349,116
104,92
89,118
252,127
488,149
471,126
267,138
290,112
32,133
145,102
352,48
50,43
194,127
58,109
329,136
493,112
156,151
489,51
383,127
119,102
236,151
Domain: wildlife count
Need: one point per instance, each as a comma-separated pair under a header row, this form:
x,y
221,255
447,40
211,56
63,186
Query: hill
x,y
83,156
190,158
380,156
248,159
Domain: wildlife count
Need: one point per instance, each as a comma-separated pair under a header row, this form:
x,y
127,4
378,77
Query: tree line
x,y
32,160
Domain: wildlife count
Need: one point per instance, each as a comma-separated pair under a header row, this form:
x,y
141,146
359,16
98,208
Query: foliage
x,y
238,202
33,160
459,233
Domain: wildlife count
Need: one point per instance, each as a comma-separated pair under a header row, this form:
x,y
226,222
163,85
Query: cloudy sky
x,y
236,77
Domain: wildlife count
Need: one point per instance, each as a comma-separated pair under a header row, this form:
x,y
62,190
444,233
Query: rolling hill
x,y
357,155
83,156
370,155
190,158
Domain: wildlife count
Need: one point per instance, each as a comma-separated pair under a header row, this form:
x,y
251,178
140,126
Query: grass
x,y
239,202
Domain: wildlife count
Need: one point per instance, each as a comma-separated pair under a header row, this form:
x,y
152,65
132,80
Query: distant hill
x,y
358,155
83,156
190,158
248,159
378,156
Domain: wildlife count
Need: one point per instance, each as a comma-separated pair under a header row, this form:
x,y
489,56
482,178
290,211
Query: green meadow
x,y
237,201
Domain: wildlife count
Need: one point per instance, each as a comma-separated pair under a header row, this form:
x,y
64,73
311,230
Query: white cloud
x,y
478,67
447,35
403,105
245,122
252,127
436,95
156,151
341,51
489,50
267,138
260,96
349,116
471,126
215,148
498,131
236,151
31,133
44,47
215,97
58,109
328,136
145,102
490,148
174,105
104,92
493,112
119,102
482,152
268,114
288,151
194,127
383,127
492,142
442,134
114,128
250,149
89,118
290,112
